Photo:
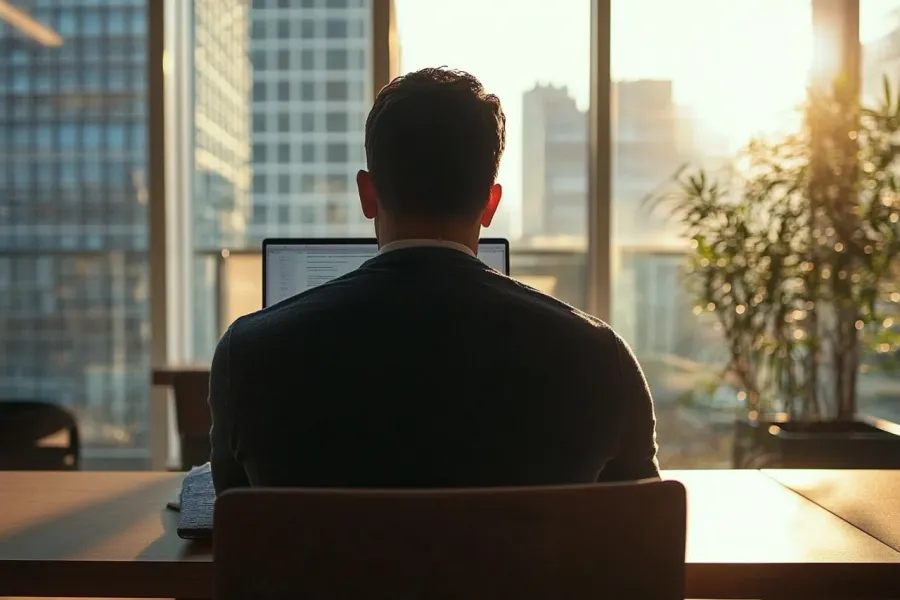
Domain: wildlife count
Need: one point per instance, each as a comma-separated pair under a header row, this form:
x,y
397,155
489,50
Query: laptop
x,y
293,265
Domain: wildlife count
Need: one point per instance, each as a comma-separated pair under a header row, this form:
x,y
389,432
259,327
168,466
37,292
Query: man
x,y
425,367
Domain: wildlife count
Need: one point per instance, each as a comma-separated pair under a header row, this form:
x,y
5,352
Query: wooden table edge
x,y
107,578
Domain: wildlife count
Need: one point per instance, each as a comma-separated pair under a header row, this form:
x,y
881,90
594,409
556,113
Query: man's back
x,y
425,368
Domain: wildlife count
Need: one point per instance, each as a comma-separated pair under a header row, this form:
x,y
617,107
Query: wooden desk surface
x,y
104,534
869,500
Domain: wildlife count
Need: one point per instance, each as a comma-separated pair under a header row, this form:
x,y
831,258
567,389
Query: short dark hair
x,y
434,139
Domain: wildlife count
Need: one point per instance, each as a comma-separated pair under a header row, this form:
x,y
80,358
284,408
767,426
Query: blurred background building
x,y
312,85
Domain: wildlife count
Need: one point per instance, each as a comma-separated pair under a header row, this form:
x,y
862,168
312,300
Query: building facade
x,y
312,85
554,164
74,273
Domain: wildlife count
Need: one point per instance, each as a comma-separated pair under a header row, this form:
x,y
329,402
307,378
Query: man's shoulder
x,y
305,307
553,307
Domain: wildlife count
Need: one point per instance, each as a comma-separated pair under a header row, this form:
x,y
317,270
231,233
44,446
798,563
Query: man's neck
x,y
456,235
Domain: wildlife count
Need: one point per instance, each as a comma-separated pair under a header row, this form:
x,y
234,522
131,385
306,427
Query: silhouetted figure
x,y
425,367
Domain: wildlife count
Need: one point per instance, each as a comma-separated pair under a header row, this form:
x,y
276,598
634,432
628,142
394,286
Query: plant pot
x,y
864,443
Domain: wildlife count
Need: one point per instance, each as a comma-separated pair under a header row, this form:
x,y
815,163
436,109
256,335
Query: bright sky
x,y
739,66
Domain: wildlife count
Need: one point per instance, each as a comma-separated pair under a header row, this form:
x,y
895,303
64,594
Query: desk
x,y
868,500
107,535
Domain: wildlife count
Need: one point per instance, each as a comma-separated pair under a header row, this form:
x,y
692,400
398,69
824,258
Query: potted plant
x,y
795,252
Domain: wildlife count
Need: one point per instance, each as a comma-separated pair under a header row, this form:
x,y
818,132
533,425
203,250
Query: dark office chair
x,y
586,541
193,417
37,436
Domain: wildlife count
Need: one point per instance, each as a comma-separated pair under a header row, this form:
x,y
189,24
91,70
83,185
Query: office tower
x,y
651,308
554,164
74,288
311,93
219,146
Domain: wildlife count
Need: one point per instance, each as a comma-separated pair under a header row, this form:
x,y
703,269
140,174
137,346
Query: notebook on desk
x,y
195,502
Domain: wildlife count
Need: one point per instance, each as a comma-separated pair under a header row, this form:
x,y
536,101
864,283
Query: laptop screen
x,y
294,266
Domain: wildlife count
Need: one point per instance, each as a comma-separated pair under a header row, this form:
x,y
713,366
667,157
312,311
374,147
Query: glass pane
x,y
879,34
544,89
276,129
692,85
74,317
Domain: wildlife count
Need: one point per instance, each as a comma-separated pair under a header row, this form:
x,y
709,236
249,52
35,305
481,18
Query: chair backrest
x,y
38,436
192,416
586,541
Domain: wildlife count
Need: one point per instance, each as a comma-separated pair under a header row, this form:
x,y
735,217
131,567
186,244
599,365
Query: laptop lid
x,y
293,265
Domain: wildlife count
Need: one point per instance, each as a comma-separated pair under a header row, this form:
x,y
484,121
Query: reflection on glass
x,y
692,85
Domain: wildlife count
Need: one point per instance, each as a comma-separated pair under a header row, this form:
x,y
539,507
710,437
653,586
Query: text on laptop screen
x,y
296,267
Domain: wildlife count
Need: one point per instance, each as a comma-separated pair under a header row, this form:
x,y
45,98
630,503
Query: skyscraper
x,y
73,216
312,86
554,164
74,288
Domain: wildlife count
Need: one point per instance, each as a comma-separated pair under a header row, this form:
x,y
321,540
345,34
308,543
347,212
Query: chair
x,y
585,541
190,386
193,416
37,436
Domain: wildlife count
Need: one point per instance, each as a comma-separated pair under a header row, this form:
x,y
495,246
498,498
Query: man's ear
x,y
368,199
493,202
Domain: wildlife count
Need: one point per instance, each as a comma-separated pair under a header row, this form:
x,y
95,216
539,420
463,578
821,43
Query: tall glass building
x,y
73,215
74,289
311,94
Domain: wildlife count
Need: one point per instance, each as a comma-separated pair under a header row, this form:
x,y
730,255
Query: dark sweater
x,y
426,368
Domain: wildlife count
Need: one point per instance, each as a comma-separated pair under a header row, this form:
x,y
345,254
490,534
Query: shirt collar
x,y
425,243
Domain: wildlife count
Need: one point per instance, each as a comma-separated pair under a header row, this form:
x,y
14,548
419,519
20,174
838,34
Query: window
x,y
307,183
700,104
259,91
336,3
878,33
335,28
284,153
284,122
259,184
307,90
336,90
336,60
284,29
284,91
284,59
336,121
307,29
308,153
259,152
260,213
307,60
259,30
284,184
284,213
336,153
259,122
307,122
73,329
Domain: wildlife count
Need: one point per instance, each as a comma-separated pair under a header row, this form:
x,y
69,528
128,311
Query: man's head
x,y
434,139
